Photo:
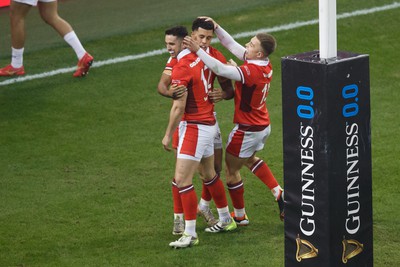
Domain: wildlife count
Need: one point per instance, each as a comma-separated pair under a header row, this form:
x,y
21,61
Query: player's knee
x,y
181,182
232,179
250,162
49,18
208,176
232,175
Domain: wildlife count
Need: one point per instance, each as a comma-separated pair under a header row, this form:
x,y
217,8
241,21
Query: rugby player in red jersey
x,y
251,118
202,32
194,113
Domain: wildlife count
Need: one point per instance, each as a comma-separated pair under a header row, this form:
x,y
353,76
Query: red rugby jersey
x,y
171,63
190,71
212,52
251,93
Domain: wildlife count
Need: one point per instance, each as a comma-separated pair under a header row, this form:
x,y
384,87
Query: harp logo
x,y
351,248
305,250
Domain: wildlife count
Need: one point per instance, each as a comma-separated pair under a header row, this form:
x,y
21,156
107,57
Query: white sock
x,y
276,191
239,212
74,42
224,215
204,204
17,57
190,227
179,216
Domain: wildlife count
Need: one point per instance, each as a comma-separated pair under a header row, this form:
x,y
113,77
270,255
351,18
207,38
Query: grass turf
x,y
83,177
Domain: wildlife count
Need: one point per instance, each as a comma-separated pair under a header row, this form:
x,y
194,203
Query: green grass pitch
x,y
84,180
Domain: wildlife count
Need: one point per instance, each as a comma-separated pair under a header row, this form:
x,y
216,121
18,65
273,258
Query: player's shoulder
x,y
191,60
249,65
267,68
180,65
216,54
171,62
183,63
251,70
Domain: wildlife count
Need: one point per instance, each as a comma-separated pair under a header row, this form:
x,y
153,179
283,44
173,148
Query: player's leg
x,y
236,187
239,147
205,195
204,204
49,13
48,10
217,191
18,12
184,171
218,154
205,150
259,167
189,153
204,209
179,223
264,173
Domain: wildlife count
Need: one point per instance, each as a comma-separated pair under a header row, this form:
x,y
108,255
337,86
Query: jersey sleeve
x,y
170,63
180,75
246,76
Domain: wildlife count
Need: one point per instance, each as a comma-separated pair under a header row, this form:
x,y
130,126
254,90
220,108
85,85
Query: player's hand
x,y
166,141
216,95
231,63
177,91
210,19
189,43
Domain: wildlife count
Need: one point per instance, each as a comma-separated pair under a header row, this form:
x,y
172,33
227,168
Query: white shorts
x,y
217,138
244,143
33,2
195,141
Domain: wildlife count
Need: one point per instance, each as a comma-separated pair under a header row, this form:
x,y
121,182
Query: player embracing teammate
x,y
194,113
202,32
251,118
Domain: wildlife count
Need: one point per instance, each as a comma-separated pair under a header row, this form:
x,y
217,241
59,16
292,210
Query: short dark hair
x,y
202,23
268,42
178,31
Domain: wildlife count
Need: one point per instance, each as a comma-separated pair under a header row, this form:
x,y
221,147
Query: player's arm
x,y
227,88
216,66
219,68
174,91
163,84
175,115
227,41
227,92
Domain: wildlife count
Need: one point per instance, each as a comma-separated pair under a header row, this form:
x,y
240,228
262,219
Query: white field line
x,y
285,27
